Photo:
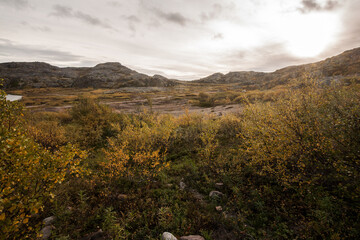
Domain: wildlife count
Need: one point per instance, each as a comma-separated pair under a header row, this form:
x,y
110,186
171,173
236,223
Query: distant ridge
x,y
344,64
104,75
115,75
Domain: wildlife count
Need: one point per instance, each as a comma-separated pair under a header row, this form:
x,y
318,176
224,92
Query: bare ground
x,y
174,107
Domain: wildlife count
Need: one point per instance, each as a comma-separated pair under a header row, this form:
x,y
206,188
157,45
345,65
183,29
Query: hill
x,y
343,65
105,75
19,75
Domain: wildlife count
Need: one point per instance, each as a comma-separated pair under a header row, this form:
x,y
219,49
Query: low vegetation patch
x,y
286,167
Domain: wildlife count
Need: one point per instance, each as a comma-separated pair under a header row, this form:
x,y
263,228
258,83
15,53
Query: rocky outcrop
x,y
106,75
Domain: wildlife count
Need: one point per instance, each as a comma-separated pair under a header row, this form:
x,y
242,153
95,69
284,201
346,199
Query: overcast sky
x,y
183,39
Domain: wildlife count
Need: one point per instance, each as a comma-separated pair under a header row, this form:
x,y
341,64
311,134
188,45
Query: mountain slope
x,y
115,75
345,64
105,75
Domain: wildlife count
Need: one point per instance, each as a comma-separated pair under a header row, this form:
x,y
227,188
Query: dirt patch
x,y
174,107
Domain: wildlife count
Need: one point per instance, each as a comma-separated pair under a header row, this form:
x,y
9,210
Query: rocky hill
x,y
115,75
105,75
343,65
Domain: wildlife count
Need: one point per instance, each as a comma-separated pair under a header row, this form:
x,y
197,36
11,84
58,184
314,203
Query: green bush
x,y
90,124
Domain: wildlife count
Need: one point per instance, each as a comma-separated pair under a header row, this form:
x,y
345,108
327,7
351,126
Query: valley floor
x,y
280,163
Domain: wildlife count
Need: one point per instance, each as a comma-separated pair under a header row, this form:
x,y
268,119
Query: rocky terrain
x,y
20,75
346,64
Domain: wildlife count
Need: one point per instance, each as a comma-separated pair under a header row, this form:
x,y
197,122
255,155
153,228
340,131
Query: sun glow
x,y
309,36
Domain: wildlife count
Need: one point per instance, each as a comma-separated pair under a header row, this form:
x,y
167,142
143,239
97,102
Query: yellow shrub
x,y
307,138
28,174
139,150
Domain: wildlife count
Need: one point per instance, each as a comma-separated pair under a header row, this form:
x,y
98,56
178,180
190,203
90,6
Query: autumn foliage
x,y
29,173
289,164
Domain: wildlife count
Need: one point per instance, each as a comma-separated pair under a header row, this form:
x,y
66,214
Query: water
x,y
12,98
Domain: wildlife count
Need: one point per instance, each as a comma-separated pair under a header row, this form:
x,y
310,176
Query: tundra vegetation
x,y
289,163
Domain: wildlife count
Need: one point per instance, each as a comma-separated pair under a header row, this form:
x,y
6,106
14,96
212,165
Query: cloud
x,y
11,51
173,17
313,5
218,36
213,14
132,21
268,57
90,19
18,4
67,12
36,28
114,3
62,11
349,36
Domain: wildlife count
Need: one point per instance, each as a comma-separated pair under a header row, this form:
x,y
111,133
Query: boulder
x,y
168,236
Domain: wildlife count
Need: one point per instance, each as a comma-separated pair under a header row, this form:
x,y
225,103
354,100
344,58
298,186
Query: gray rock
x,y
49,220
182,185
168,236
46,232
192,237
215,194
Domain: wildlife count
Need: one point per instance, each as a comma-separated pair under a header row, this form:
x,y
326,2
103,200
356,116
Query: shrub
x,y
205,100
91,123
139,150
309,143
28,173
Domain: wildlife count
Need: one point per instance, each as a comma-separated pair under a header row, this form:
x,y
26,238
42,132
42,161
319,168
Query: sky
x,y
182,39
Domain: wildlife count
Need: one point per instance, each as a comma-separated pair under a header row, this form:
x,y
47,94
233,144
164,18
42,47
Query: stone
x,y
218,208
215,194
49,220
122,196
219,185
168,236
182,185
46,232
192,237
